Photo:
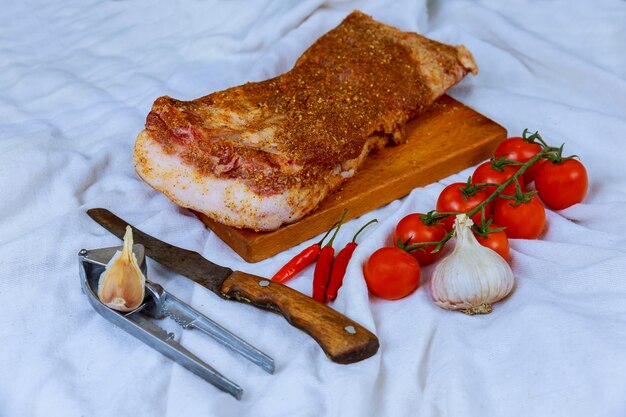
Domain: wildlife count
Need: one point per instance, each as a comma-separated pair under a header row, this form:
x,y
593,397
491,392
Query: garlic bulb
x,y
472,277
121,285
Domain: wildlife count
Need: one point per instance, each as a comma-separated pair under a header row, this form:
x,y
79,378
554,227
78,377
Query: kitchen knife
x,y
343,340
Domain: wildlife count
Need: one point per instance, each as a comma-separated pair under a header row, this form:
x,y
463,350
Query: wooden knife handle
x,y
343,340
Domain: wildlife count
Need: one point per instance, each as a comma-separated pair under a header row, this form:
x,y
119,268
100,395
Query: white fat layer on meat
x,y
228,201
231,201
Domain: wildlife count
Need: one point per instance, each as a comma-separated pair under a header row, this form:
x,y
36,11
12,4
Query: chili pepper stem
x,y
362,228
332,239
326,234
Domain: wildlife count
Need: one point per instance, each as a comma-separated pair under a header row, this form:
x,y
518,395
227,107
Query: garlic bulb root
x,y
484,308
122,284
472,277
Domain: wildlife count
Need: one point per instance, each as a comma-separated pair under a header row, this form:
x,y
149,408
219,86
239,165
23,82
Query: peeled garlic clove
x,y
121,285
472,277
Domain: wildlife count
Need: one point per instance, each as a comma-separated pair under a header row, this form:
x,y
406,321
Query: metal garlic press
x,y
159,303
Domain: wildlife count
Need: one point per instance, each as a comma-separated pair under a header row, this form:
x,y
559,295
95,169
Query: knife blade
x,y
342,339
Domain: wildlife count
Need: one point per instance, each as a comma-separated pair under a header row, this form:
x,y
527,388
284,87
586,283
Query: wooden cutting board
x,y
441,142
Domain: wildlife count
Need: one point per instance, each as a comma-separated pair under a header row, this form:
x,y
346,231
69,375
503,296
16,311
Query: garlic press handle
x,y
166,304
160,340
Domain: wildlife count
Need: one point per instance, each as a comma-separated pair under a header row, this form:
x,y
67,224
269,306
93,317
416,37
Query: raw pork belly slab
x,y
266,153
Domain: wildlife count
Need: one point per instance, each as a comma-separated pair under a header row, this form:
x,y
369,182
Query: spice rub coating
x,y
297,136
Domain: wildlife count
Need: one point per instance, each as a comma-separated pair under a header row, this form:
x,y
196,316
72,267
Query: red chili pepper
x,y
300,261
341,264
321,276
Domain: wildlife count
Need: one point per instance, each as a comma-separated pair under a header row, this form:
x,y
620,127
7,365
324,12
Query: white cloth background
x,y
77,79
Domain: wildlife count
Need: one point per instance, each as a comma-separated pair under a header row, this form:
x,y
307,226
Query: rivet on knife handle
x,y
343,340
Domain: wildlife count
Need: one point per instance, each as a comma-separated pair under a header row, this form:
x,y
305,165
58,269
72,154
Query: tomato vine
x,y
547,152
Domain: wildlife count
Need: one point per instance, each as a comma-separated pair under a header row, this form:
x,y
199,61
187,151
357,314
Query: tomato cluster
x,y
499,212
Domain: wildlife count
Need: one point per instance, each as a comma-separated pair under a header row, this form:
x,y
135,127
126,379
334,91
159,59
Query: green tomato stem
x,y
508,182
544,152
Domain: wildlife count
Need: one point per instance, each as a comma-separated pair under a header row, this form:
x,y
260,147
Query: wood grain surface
x,y
343,340
448,138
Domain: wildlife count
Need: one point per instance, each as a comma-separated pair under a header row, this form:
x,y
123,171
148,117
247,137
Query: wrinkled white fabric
x,y
76,83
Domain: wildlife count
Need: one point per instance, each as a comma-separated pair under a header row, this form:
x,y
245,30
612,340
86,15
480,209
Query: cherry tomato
x,y
561,185
518,149
496,241
391,273
451,200
486,173
524,221
411,229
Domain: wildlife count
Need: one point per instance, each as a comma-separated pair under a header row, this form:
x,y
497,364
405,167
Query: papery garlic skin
x,y
122,284
472,277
